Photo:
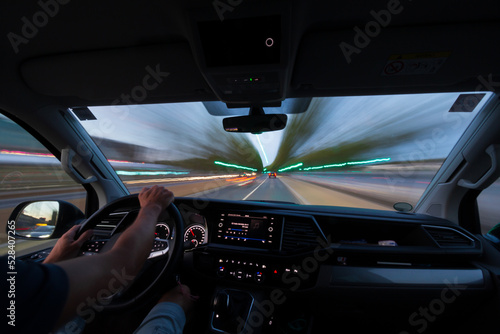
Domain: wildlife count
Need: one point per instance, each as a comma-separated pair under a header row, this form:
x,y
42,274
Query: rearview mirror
x,y
255,123
44,219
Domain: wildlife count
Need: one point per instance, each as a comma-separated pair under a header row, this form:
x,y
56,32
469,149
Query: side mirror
x,y
44,219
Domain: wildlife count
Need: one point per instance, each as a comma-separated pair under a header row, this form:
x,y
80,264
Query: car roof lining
x,y
100,59
98,77
458,46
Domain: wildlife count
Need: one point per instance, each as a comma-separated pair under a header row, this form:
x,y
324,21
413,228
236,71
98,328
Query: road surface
x,y
365,190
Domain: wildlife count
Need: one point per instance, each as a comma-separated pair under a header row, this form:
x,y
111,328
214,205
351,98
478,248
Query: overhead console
x,y
230,43
244,66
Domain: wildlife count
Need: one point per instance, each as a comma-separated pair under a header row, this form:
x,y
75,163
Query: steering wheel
x,y
164,265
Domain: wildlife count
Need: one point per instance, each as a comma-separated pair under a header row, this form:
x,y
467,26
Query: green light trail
x,y
234,166
351,163
290,167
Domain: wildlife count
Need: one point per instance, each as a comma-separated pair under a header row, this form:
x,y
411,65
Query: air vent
x,y
299,234
449,237
109,223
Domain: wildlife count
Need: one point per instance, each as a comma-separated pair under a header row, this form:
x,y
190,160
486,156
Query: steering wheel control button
x,y
160,247
93,246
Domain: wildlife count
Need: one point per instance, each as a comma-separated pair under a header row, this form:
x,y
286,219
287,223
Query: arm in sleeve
x,y
166,317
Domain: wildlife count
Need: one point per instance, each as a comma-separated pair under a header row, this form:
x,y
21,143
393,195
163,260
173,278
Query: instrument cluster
x,y
194,234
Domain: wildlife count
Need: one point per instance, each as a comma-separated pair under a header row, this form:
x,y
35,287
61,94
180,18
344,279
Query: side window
x,y
489,207
28,171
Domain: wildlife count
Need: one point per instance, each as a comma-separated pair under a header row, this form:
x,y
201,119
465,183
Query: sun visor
x,y
129,75
375,59
288,106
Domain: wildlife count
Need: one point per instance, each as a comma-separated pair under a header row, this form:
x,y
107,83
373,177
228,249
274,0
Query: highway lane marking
x,y
254,190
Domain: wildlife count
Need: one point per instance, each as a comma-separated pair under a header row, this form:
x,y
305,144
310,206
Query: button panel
x,y
268,272
93,247
160,247
241,270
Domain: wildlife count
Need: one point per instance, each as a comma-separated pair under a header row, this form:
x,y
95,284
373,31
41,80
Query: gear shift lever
x,y
231,310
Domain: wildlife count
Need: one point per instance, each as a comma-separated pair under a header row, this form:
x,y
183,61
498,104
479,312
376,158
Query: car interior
x,y
266,266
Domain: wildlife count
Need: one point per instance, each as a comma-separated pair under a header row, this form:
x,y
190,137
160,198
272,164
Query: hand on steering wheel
x,y
68,247
150,279
156,196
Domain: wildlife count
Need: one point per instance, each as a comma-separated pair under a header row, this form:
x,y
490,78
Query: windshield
x,y
367,152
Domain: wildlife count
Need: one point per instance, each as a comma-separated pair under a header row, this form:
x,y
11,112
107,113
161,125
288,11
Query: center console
x,y
255,272
231,310
246,247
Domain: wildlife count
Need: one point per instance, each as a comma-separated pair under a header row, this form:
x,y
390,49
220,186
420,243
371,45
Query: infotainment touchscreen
x,y
250,230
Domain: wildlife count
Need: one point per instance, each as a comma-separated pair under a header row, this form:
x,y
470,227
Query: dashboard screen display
x,y
250,230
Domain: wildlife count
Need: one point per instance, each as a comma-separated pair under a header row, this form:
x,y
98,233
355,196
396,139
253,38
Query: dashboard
x,y
336,261
273,244
291,246
296,247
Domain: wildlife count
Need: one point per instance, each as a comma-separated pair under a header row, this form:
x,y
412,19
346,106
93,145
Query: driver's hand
x,y
156,196
67,247
180,295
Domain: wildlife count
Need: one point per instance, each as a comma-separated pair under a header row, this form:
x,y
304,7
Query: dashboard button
x,y
240,274
221,272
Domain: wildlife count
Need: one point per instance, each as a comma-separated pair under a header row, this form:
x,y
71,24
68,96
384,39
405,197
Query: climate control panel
x,y
243,269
